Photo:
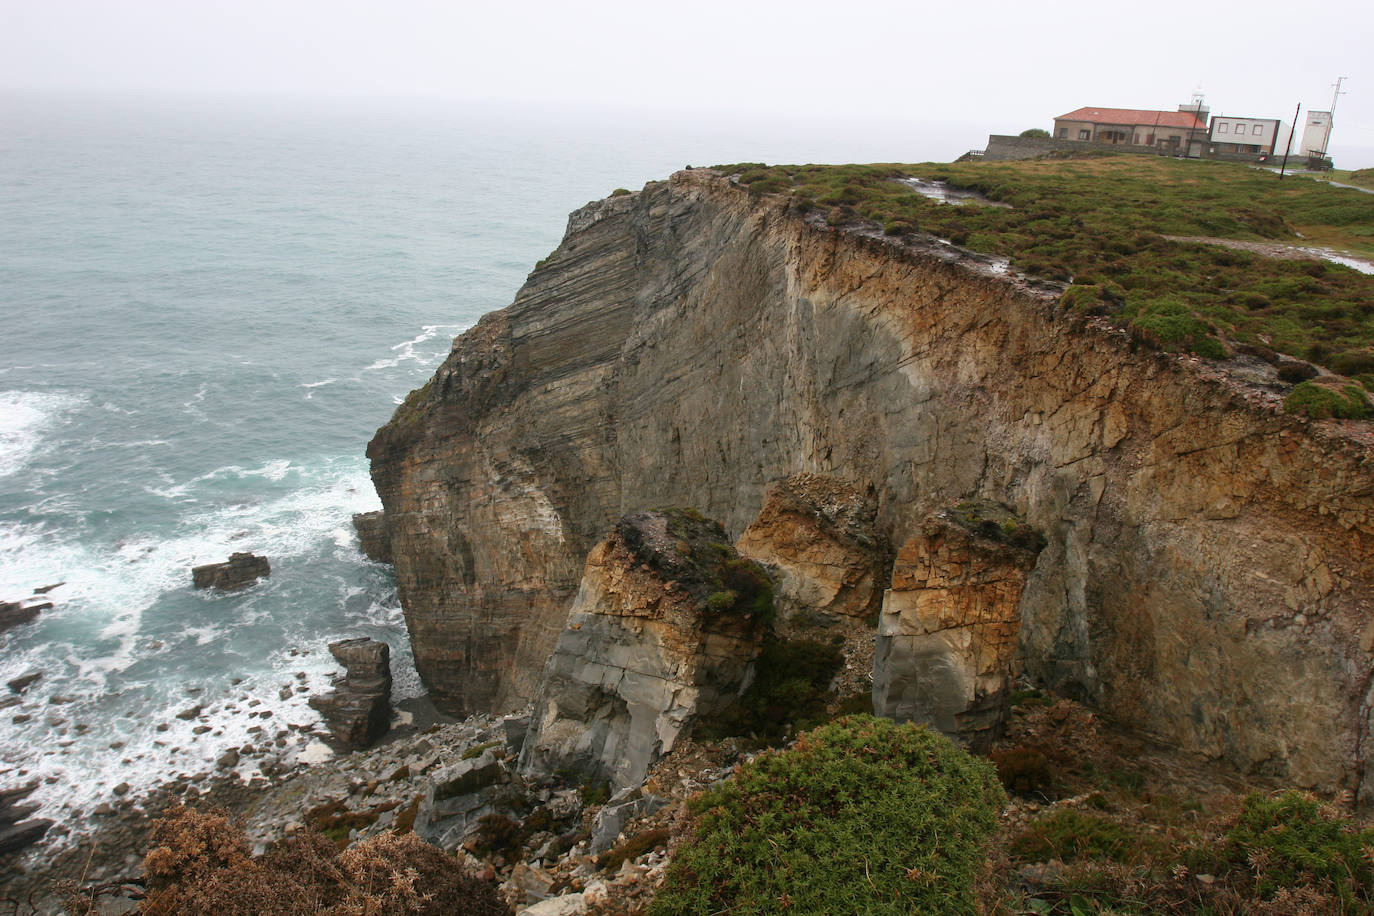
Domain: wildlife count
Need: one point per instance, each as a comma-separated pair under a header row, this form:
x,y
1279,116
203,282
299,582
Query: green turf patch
x,y
1102,224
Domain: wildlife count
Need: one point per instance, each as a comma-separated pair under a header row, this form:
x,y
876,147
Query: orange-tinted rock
x,y
951,622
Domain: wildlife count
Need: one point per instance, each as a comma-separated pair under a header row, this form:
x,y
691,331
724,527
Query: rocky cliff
x,y
1206,573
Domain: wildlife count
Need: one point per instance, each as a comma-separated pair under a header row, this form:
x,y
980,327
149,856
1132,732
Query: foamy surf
x,y
24,418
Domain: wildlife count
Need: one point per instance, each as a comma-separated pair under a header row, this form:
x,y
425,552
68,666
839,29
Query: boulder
x,y
14,613
374,535
358,710
947,637
615,814
24,681
664,629
15,832
241,570
458,797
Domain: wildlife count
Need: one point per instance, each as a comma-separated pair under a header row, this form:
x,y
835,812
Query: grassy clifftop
x,y
1111,227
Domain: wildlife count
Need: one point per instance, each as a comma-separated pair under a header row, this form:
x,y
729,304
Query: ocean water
x,y
209,306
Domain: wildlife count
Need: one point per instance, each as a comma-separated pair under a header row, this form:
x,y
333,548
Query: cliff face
x,y
1206,576
644,652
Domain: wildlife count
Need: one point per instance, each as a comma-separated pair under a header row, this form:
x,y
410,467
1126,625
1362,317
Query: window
x,y
1221,127
1257,131
1084,134
1063,133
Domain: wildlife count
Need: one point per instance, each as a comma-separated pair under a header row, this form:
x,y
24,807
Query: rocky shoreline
x,y
407,783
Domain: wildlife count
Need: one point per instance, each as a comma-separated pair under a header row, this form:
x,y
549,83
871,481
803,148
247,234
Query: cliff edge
x,y
1205,576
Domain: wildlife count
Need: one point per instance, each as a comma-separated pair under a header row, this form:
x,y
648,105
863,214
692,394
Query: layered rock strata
x,y
17,830
358,710
240,571
817,538
1207,572
951,621
374,536
665,624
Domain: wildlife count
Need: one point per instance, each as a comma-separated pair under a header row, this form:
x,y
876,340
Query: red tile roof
x,y
1134,117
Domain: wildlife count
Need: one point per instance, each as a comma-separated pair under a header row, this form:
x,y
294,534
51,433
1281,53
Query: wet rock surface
x,y
240,571
16,613
374,535
358,710
17,830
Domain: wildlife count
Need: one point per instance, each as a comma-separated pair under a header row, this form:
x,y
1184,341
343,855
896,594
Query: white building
x,y
1253,136
1316,133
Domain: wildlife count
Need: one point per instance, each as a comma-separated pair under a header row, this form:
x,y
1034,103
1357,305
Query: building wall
x,y
1240,135
1315,133
1147,135
1002,148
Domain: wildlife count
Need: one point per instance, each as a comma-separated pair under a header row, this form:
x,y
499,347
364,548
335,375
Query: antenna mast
x,y
1337,94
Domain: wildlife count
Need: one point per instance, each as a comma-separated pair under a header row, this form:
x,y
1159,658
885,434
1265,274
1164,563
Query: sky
x,y
989,67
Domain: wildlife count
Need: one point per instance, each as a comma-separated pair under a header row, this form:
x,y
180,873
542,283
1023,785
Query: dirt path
x,y
1280,250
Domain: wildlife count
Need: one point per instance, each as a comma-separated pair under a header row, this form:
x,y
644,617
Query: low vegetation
x,y
858,816
1099,825
790,691
700,559
1105,224
200,865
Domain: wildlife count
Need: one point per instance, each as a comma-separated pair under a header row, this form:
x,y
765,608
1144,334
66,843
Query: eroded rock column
x,y
947,635
664,628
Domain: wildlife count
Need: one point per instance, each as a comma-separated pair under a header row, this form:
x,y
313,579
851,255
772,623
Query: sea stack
x,y
242,570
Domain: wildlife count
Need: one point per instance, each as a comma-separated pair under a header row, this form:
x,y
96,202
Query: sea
x,y
207,307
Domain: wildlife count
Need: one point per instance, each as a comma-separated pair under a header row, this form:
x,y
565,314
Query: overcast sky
x,y
1003,66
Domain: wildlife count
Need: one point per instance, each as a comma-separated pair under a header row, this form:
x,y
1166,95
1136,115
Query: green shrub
x,y
1102,220
1321,403
477,750
1288,841
1035,133
1068,834
790,688
859,816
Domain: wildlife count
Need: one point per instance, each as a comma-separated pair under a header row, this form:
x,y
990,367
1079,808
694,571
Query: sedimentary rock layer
x,y
662,633
1207,572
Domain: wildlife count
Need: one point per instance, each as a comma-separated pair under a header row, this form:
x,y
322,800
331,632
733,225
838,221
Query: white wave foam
x,y
24,418
121,581
411,350
311,386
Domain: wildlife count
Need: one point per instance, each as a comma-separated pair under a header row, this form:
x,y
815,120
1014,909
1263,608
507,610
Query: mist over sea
x,y
208,309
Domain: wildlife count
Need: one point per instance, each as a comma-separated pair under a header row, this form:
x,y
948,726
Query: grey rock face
x,y
358,711
613,817
241,570
650,645
458,797
1207,576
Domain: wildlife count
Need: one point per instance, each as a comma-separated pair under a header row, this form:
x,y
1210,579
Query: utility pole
x,y
1289,148
1337,94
